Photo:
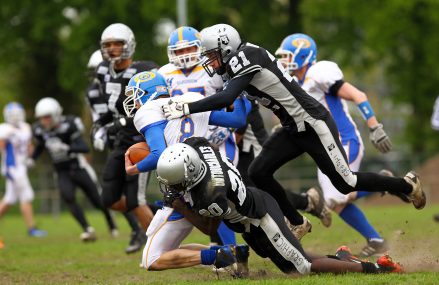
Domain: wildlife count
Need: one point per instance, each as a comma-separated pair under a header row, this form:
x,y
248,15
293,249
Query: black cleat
x,y
137,241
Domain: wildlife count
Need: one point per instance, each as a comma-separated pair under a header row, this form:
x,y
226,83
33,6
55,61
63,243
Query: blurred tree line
x,y
46,45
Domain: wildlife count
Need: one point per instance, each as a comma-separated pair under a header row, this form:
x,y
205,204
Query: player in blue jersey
x,y
146,93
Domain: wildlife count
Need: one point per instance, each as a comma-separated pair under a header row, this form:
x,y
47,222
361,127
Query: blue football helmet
x,y
14,113
143,87
182,38
297,51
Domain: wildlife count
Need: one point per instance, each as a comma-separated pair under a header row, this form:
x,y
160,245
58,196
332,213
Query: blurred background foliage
x,y
387,48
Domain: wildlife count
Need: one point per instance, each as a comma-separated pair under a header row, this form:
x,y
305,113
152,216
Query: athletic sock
x,y
354,217
208,256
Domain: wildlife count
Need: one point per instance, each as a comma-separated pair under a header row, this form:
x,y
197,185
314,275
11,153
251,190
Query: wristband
x,y
366,110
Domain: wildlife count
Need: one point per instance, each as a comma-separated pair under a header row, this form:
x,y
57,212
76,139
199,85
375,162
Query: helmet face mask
x,y
143,87
297,51
219,42
184,47
117,37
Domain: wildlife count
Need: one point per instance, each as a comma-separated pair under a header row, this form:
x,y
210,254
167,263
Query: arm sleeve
x,y
235,119
224,98
154,135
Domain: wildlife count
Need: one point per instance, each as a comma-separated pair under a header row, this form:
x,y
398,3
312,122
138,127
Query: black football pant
x,y
117,183
274,240
68,180
321,141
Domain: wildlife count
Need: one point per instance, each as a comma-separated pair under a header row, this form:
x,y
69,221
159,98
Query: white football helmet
x,y
118,32
14,113
180,167
95,59
48,106
218,43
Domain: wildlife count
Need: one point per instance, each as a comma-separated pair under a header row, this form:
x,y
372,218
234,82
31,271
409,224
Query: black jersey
x,y
96,100
68,132
274,88
112,85
221,193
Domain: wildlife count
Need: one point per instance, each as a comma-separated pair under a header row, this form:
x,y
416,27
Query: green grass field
x,y
61,258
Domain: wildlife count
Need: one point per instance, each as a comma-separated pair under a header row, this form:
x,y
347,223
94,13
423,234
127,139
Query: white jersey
x,y
318,81
16,149
197,80
176,130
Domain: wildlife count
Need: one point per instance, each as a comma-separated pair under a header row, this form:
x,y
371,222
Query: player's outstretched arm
x,y
378,136
218,101
235,119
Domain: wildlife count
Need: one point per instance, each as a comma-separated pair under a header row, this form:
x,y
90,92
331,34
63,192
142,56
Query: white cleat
x,y
417,196
88,235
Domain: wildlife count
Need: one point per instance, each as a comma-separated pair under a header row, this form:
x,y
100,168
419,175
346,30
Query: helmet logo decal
x,y
224,39
191,167
301,43
144,76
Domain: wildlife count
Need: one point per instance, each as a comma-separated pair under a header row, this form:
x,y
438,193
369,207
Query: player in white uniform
x,y
184,73
15,144
435,126
324,81
169,228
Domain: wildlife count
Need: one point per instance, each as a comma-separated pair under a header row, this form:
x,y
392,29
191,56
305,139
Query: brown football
x,y
138,152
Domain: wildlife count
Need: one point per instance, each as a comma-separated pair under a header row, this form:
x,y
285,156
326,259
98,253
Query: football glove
x,y
117,125
380,139
175,110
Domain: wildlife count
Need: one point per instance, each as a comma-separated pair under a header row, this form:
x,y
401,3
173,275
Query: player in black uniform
x,y
120,191
98,106
62,137
214,189
306,125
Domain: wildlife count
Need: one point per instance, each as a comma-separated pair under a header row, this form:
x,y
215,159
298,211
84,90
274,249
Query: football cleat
x,y
242,252
114,233
34,232
417,196
317,206
300,230
225,256
88,235
137,241
374,248
344,253
386,265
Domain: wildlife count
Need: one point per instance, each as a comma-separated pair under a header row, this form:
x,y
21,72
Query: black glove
x,y
116,126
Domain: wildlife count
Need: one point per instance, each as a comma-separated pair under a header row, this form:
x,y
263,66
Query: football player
x,y
184,73
323,80
147,92
98,106
120,191
195,172
435,126
307,126
62,137
15,145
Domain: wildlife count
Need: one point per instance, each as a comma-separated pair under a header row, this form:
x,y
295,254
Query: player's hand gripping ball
x,y
137,152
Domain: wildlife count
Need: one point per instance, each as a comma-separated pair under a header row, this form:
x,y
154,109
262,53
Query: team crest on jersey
x,y
302,43
144,77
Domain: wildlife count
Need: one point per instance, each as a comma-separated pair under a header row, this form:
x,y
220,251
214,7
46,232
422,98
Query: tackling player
x,y
184,73
147,92
307,126
62,137
15,145
323,80
214,189
120,191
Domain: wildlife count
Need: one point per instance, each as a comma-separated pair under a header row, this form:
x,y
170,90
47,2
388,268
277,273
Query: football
x,y
138,152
